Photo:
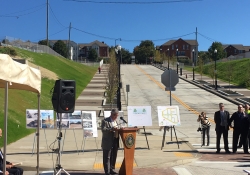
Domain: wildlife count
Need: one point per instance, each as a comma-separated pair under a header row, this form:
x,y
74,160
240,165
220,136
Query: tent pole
x,y
37,133
5,125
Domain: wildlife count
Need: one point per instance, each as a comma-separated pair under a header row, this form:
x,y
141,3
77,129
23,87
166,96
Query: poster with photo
x,y
168,115
70,120
31,118
47,119
139,116
89,123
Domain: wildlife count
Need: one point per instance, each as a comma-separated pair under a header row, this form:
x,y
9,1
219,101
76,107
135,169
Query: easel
x,y
35,141
165,127
146,136
83,142
75,140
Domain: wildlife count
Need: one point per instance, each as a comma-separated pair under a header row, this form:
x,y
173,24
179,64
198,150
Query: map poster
x,y
168,115
89,123
139,116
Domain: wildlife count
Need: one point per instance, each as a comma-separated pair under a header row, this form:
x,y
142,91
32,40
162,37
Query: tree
x,y
61,48
157,56
92,55
144,51
220,52
229,71
126,56
42,42
200,66
112,79
211,69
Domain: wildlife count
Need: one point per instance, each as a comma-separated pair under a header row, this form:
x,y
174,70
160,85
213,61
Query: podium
x,y
128,136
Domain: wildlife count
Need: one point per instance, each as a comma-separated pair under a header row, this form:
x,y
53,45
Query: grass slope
x,y
237,69
20,100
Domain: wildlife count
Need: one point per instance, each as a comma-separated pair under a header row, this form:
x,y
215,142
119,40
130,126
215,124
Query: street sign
x,y
169,78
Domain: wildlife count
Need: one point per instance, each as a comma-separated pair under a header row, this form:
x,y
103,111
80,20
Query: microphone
x,y
123,120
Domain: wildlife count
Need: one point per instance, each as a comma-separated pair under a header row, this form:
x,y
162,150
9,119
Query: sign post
x,y
169,78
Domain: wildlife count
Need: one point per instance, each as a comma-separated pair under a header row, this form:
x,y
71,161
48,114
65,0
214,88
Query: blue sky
x,y
225,21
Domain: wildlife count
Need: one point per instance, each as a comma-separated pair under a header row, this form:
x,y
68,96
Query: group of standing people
x,y
239,121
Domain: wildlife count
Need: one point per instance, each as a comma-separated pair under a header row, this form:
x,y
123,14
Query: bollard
x,y
186,76
181,71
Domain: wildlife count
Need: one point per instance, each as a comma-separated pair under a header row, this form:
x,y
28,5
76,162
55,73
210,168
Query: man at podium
x,y
110,141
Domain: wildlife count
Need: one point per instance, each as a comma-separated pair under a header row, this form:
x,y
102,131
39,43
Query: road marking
x,y
180,154
117,165
182,171
221,162
173,96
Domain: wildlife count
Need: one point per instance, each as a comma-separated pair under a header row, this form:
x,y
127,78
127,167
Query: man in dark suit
x,y
110,142
240,128
12,170
221,119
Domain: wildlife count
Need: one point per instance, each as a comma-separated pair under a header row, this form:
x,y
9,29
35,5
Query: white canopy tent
x,y
14,75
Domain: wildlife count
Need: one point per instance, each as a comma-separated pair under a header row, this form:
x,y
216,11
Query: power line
x,y
55,16
53,34
126,40
133,2
210,39
17,16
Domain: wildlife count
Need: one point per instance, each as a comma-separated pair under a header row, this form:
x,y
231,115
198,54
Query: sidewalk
x,y
84,155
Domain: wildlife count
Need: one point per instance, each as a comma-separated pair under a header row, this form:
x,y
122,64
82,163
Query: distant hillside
x,y
52,68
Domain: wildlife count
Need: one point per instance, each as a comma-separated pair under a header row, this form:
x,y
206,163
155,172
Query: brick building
x,y
185,48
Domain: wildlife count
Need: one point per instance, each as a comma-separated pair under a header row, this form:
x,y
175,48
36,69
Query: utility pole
x,y
69,48
196,48
47,23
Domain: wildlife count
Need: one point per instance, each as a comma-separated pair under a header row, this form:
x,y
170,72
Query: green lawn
x,y
20,100
238,70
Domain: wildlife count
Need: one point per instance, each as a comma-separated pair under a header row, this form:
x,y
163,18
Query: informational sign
x,y
89,123
168,115
139,116
46,118
70,120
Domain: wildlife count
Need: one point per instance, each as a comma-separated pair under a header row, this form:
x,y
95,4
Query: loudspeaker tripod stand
x,y
58,169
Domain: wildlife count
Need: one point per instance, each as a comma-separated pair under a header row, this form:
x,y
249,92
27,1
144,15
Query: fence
x,y
28,45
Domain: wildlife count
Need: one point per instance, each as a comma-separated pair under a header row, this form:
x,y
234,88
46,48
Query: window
x,y
235,50
172,47
187,47
176,46
184,47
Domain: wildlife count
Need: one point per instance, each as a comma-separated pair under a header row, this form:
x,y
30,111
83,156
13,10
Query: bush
x,y
8,50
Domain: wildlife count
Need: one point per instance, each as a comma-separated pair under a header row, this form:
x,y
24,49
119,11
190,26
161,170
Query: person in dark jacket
x,y
238,119
110,142
221,119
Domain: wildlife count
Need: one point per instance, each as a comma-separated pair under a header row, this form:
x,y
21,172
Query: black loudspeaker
x,y
63,98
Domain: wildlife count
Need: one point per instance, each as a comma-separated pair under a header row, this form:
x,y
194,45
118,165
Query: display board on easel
x,y
70,120
139,116
89,123
168,115
47,118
